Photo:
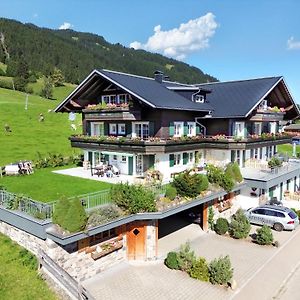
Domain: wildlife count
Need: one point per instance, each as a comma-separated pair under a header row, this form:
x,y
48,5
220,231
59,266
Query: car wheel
x,y
278,227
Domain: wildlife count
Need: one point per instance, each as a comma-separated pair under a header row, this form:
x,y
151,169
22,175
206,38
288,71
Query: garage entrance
x,y
179,228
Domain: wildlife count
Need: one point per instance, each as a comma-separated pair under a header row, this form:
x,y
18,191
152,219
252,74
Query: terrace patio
x,y
86,174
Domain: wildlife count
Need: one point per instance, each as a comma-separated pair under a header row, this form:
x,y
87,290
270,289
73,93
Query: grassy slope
x,y
287,149
46,186
17,281
30,136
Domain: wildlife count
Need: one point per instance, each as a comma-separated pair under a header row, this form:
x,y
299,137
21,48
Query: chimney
x,y
158,76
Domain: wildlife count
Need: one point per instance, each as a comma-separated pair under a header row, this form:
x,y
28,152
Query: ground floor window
x,y
102,236
177,159
191,157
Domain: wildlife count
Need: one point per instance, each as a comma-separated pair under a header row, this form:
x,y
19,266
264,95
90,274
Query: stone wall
x,y
151,241
79,265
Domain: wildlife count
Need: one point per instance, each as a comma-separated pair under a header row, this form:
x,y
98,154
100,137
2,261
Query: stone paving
x,y
155,281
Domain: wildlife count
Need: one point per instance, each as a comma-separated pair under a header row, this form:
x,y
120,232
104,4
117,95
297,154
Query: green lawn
x,y
17,280
287,149
46,186
28,135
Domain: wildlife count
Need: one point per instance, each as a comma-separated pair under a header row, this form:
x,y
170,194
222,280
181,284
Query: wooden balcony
x,y
119,113
154,145
267,115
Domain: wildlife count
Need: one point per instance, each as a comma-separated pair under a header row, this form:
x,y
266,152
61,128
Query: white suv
x,y
278,217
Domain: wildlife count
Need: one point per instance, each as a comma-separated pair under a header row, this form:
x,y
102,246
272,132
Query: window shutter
x,y
151,128
88,128
105,128
185,158
151,161
185,129
171,129
106,158
128,127
171,159
90,155
232,155
197,129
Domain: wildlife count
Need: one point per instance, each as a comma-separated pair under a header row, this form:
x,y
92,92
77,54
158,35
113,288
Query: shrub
x,y
6,83
227,183
199,270
220,270
171,192
70,215
190,185
221,226
133,199
211,218
76,218
203,182
171,261
186,258
214,174
274,162
103,215
264,235
60,210
237,172
240,226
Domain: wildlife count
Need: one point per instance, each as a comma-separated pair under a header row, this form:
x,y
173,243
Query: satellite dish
x,y
72,116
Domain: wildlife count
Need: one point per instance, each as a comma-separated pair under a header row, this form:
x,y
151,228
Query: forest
x,y
76,54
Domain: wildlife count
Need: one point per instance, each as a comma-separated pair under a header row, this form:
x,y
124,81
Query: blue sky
x,y
229,39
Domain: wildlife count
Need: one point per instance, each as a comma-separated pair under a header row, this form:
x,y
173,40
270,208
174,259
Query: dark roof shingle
x,y
237,98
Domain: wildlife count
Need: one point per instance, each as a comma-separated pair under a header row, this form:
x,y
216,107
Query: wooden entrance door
x,y
136,234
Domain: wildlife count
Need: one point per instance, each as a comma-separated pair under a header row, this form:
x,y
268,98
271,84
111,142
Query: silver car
x,y
278,217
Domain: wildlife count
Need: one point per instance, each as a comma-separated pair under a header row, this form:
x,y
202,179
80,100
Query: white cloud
x,y
292,44
35,15
179,42
66,25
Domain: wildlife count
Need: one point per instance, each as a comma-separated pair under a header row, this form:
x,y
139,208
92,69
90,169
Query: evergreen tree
x,y
57,77
47,90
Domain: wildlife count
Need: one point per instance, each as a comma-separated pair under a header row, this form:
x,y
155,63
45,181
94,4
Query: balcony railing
x,y
180,140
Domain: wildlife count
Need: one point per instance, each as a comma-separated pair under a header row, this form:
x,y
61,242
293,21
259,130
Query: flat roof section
x,y
265,179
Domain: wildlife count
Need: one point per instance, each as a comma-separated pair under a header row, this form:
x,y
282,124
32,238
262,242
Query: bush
x,y
220,270
239,227
133,199
190,185
70,215
199,270
274,162
186,258
237,172
171,261
264,235
76,218
103,215
227,183
60,210
221,226
214,174
171,192
211,218
6,83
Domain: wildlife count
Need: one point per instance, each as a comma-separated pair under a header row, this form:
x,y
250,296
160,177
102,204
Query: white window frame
x,y
113,128
134,133
191,128
125,100
239,129
110,99
191,157
120,131
198,98
178,129
177,159
93,131
258,126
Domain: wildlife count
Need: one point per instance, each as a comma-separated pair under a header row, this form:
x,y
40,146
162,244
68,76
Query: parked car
x,y
278,217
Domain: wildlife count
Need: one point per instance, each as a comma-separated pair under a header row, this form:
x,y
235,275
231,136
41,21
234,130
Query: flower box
x,y
107,248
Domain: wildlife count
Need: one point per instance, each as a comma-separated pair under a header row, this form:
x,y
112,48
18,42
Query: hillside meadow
x,y
28,135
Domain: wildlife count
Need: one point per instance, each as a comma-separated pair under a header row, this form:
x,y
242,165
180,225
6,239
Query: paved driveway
x,y
251,263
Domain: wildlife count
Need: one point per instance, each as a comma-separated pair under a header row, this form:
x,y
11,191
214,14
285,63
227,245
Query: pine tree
x,y
47,90
57,77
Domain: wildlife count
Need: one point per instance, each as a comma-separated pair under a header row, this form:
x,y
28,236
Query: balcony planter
x,y
106,248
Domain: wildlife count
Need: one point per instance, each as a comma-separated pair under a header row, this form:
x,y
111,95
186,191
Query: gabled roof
x,y
148,90
152,92
238,98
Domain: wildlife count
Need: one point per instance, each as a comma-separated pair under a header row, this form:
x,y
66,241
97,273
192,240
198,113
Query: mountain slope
x,y
77,53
